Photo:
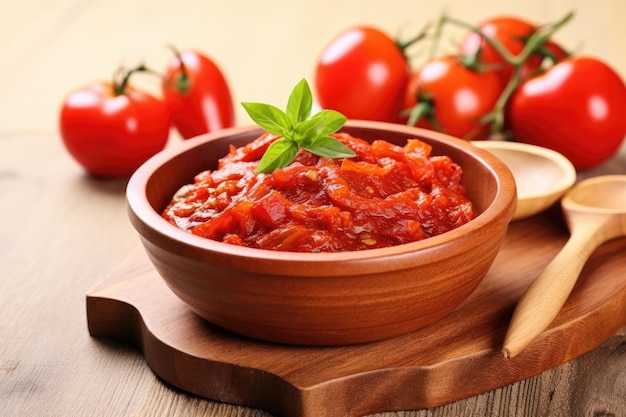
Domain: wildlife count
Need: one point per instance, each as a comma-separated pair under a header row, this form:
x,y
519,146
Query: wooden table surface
x,y
61,231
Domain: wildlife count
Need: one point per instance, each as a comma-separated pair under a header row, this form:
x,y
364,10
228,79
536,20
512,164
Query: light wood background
x,y
264,47
61,231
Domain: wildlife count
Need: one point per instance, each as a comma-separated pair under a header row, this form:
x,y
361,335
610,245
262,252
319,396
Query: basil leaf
x,y
298,129
329,147
300,102
279,154
322,123
269,117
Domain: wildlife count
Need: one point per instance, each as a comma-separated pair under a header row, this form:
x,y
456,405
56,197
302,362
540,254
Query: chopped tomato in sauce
x,y
387,195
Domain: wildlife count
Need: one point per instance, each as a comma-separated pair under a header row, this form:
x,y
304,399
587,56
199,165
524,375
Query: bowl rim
x,y
144,216
566,168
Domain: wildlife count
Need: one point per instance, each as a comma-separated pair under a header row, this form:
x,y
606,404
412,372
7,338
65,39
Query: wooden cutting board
x,y
455,358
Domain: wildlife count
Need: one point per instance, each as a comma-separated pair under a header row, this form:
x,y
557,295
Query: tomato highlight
x,y
111,128
198,94
446,95
576,108
362,74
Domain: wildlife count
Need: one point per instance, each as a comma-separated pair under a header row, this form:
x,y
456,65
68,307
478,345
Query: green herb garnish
x,y
298,129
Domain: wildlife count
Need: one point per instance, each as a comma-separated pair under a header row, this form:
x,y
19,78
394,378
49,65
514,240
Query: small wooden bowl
x,y
322,298
542,176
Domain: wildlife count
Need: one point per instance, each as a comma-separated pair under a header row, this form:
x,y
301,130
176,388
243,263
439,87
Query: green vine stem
x,y
119,87
535,43
434,46
403,45
182,83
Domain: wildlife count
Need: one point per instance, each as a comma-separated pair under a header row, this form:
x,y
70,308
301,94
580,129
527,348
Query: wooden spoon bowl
x,y
542,175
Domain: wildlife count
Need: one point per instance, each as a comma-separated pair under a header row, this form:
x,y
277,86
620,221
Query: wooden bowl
x,y
322,298
542,176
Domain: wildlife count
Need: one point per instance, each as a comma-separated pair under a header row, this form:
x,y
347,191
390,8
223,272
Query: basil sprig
x,y
297,129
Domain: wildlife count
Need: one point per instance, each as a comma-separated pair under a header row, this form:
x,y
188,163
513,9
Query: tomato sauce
x,y
387,195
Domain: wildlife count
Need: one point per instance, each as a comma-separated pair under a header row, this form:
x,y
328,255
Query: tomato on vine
x,y
198,94
446,95
363,73
111,128
513,34
576,108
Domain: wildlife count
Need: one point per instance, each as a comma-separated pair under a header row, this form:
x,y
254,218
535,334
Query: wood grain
x,y
427,368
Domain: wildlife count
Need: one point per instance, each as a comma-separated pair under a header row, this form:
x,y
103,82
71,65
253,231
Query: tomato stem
x,y
423,109
404,45
119,88
535,43
182,83
494,43
434,46
537,40
496,116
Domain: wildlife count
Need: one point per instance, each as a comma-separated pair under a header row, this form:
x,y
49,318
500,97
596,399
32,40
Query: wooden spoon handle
x,y
546,295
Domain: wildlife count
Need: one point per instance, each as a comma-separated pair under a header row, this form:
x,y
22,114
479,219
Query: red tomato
x,y
111,134
512,33
362,73
455,97
576,108
198,94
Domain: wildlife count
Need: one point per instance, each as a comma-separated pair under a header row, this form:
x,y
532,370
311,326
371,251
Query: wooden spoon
x,y
595,211
541,175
